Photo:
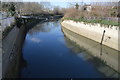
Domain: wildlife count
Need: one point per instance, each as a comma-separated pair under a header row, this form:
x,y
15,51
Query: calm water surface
x,y
47,53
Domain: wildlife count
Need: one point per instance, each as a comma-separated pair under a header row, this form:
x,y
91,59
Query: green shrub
x,y
101,21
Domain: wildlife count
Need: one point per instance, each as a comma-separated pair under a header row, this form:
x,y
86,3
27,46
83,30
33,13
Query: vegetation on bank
x,y
9,8
94,13
100,21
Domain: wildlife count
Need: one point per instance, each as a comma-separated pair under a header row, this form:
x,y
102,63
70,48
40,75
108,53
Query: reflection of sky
x,y
36,40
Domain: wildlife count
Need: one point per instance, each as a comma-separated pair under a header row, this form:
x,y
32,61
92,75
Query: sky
x,y
62,3
74,0
65,3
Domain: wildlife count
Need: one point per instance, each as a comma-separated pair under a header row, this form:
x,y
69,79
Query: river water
x,y
50,51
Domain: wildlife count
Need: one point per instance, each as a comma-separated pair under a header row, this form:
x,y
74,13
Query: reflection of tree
x,y
91,53
44,27
41,27
56,23
74,47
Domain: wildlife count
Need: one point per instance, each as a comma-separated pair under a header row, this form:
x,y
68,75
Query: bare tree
x,y
56,10
30,8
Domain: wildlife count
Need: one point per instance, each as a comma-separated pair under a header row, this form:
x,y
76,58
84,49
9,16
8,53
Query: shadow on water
x,y
23,63
99,54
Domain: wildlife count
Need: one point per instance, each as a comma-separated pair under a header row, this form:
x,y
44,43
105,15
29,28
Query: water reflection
x,y
98,54
36,40
49,54
44,27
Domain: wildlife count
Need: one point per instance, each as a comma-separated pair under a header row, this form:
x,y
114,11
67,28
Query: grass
x,y
101,21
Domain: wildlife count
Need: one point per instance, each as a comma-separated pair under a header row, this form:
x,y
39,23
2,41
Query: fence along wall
x,y
95,32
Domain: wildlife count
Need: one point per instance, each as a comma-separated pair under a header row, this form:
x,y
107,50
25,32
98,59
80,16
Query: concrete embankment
x,y
12,49
95,32
107,55
12,46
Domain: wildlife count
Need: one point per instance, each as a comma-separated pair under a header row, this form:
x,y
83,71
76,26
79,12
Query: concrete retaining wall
x,y
12,50
107,55
95,32
12,45
6,22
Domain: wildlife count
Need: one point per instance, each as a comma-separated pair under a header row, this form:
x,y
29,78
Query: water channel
x,y
51,51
